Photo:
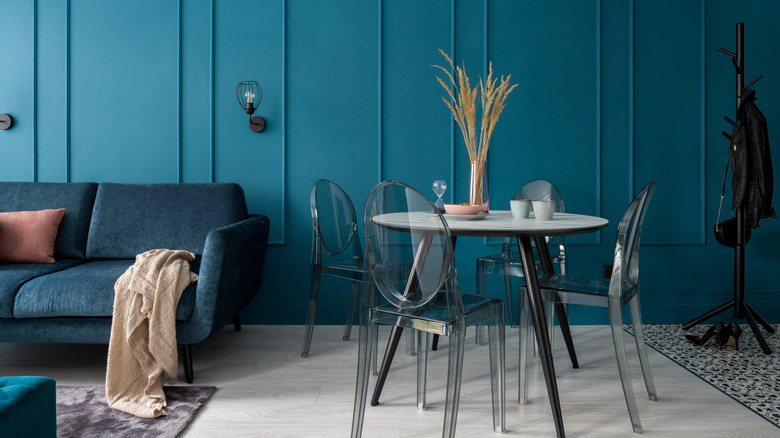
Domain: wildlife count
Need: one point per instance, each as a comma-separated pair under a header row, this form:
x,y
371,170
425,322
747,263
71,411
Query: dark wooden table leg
x,y
560,309
392,345
540,329
395,333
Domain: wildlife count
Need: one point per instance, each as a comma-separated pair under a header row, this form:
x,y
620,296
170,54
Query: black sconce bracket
x,y
257,124
6,121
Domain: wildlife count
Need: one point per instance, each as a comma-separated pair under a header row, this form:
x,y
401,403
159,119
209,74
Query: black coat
x,y
751,162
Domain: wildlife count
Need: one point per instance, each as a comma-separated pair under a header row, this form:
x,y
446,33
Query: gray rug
x,y
82,412
748,376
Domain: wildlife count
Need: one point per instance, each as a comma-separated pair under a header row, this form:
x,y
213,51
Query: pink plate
x,y
462,209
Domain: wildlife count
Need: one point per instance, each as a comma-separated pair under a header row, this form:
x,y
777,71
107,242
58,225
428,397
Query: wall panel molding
x,y
179,145
380,90
453,136
631,96
34,115
68,158
212,32
598,143
284,127
702,111
599,109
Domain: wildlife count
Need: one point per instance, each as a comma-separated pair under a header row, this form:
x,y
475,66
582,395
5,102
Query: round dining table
x,y
500,223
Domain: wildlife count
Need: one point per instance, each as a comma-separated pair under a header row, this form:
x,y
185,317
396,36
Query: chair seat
x,y
498,264
587,291
435,316
344,268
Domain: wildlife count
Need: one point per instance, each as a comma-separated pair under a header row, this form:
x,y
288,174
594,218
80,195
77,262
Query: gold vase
x,y
478,185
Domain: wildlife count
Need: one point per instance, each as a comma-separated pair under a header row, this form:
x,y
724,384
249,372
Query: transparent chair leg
x,y
454,373
510,308
314,293
480,338
524,308
351,314
423,341
375,351
641,347
368,299
526,342
361,389
411,342
616,323
496,340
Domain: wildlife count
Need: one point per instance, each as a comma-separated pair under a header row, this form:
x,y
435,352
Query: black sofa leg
x,y
186,354
237,323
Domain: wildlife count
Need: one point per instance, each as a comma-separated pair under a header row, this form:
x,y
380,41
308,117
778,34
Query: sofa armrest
x,y
229,277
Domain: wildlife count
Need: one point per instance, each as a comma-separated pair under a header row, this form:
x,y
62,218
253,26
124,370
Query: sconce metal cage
x,y
249,95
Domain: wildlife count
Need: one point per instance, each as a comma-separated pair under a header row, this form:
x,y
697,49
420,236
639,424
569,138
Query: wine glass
x,y
439,187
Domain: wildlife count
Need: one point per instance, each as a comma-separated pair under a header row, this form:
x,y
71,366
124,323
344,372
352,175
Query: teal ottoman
x,y
28,407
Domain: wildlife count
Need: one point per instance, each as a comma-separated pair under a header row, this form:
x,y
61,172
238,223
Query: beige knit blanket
x,y
143,331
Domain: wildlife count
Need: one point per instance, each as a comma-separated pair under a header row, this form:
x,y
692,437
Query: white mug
x,y
543,210
521,208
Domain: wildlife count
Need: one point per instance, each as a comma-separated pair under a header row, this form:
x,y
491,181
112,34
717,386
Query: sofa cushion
x,y
77,198
84,290
129,219
13,276
28,236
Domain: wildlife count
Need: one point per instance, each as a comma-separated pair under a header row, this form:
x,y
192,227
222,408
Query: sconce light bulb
x,y
250,97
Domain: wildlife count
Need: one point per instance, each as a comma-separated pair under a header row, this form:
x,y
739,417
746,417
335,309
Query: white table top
x,y
497,223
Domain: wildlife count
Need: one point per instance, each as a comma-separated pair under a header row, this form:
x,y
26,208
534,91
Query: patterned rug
x,y
748,376
82,412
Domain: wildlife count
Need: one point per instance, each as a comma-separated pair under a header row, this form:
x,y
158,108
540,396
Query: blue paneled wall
x,y
611,94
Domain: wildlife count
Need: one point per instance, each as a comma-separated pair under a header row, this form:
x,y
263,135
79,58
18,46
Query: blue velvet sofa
x,y
104,227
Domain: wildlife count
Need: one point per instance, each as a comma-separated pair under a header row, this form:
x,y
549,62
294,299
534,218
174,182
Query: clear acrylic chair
x,y
509,265
336,249
409,254
621,289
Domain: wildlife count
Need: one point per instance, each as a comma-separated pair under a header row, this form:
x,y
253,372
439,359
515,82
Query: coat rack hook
x,y
726,118
758,78
733,55
726,134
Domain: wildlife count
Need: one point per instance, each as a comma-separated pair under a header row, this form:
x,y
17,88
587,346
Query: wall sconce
x,y
249,95
6,121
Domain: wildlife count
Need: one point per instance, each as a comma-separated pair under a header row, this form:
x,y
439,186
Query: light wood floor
x,y
267,390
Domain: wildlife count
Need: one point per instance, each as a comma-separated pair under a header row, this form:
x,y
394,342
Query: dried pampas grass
x,y
463,104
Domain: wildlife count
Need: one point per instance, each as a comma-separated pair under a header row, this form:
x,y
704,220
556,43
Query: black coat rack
x,y
741,308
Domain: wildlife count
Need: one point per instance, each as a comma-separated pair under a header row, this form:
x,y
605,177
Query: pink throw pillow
x,y
28,236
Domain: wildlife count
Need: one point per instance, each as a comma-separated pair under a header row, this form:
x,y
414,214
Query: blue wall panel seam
x,y
379,79
703,122
211,95
35,90
631,114
284,125
599,108
453,17
67,93
179,95
485,61
485,40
